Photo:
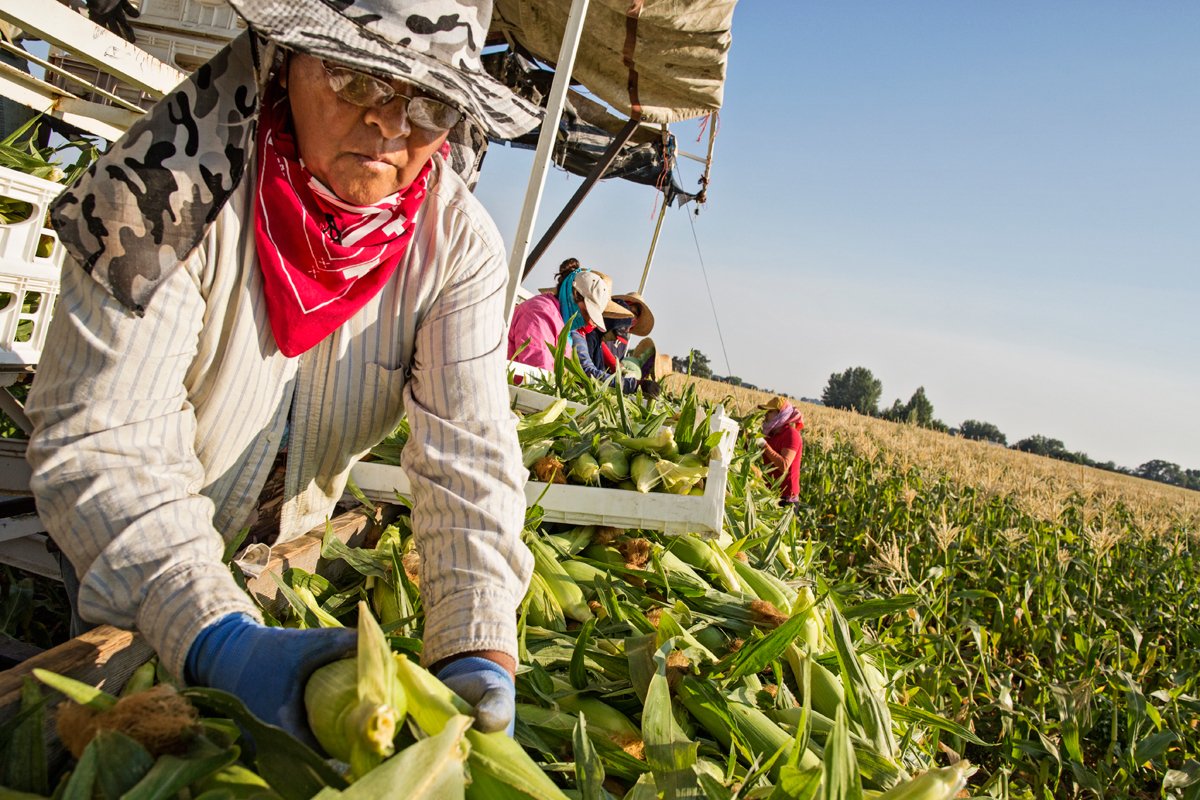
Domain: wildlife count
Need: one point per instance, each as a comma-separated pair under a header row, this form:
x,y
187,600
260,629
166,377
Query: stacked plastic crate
x,y
30,260
182,33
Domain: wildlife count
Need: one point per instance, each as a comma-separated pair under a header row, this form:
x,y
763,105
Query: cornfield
x,y
1048,608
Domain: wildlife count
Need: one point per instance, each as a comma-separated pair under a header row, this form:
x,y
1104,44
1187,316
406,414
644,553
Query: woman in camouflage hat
x,y
273,266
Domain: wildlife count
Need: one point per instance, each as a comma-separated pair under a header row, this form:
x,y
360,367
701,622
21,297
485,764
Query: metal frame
x,y
596,174
545,147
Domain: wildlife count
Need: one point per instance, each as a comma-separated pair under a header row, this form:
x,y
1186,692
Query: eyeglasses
x,y
367,91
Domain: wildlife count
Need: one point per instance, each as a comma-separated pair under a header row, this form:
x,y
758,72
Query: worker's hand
x,y
761,443
650,388
266,668
114,15
486,685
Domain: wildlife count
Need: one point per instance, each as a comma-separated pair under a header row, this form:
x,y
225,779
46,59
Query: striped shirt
x,y
154,435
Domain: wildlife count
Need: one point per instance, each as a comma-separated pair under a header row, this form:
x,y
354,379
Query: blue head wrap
x,y
571,313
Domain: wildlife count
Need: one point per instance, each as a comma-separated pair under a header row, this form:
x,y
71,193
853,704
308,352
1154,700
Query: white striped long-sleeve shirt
x,y
154,435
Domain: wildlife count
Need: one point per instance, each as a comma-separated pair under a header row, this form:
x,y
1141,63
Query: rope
x,y
711,302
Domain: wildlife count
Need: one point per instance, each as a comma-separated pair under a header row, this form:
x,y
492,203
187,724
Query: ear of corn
x,y
586,470
561,585
935,784
500,768
764,585
355,705
541,607
613,461
644,472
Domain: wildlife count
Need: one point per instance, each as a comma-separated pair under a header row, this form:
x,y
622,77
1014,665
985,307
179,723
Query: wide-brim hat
x,y
777,403
595,288
434,44
645,318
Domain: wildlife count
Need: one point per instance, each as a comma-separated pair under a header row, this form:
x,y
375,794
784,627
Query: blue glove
x,y
486,685
266,668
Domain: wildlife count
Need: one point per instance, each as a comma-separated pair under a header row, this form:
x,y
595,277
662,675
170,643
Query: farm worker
x,y
783,446
600,351
277,255
580,298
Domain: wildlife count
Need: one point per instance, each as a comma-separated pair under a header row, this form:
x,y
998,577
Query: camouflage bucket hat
x,y
435,44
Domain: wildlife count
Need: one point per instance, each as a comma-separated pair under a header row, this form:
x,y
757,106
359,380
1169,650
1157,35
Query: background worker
x,y
292,266
600,351
783,446
581,298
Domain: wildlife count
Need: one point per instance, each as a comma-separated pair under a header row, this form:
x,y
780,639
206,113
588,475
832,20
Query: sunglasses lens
x,y
432,115
367,91
359,88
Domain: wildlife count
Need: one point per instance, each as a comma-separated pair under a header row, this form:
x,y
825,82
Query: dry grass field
x,y
1042,487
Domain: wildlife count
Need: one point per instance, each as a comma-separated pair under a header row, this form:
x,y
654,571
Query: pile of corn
x,y
610,443
651,666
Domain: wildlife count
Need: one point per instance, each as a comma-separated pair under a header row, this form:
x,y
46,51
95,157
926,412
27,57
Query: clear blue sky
x,y
997,201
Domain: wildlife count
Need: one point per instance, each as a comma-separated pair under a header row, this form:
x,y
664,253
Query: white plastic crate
x,y
591,505
185,53
19,241
212,20
28,283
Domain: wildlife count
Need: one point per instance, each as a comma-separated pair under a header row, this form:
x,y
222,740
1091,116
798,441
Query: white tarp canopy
x,y
666,58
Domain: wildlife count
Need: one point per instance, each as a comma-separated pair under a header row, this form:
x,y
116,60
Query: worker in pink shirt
x,y
783,446
581,298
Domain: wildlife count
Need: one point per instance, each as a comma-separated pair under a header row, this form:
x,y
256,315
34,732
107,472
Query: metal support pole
x,y
545,146
596,174
662,213
712,141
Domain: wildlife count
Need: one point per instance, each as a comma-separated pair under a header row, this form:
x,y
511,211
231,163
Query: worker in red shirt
x,y
783,446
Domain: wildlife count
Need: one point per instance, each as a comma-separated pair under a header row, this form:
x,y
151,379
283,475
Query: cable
x,y
711,302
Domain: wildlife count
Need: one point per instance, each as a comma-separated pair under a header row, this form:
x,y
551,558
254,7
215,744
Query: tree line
x,y
857,389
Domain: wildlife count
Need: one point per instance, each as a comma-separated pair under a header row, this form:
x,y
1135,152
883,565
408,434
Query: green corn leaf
x,y
685,437
121,763
364,562
23,751
644,789
431,769
170,775
561,349
639,655
872,711
233,782
842,780
589,769
363,500
934,721
873,609
757,656
82,783
82,693
797,784
234,545
304,603
291,768
142,678
670,754
577,672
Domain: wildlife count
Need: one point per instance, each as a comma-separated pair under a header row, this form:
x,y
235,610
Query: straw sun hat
x,y
645,318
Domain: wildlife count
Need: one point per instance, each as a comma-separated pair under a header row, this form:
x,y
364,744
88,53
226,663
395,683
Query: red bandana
x,y
322,259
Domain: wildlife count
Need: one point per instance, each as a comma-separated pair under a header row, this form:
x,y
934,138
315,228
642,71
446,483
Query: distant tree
x,y
1193,478
982,432
1163,472
855,389
1042,446
917,411
895,413
698,365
